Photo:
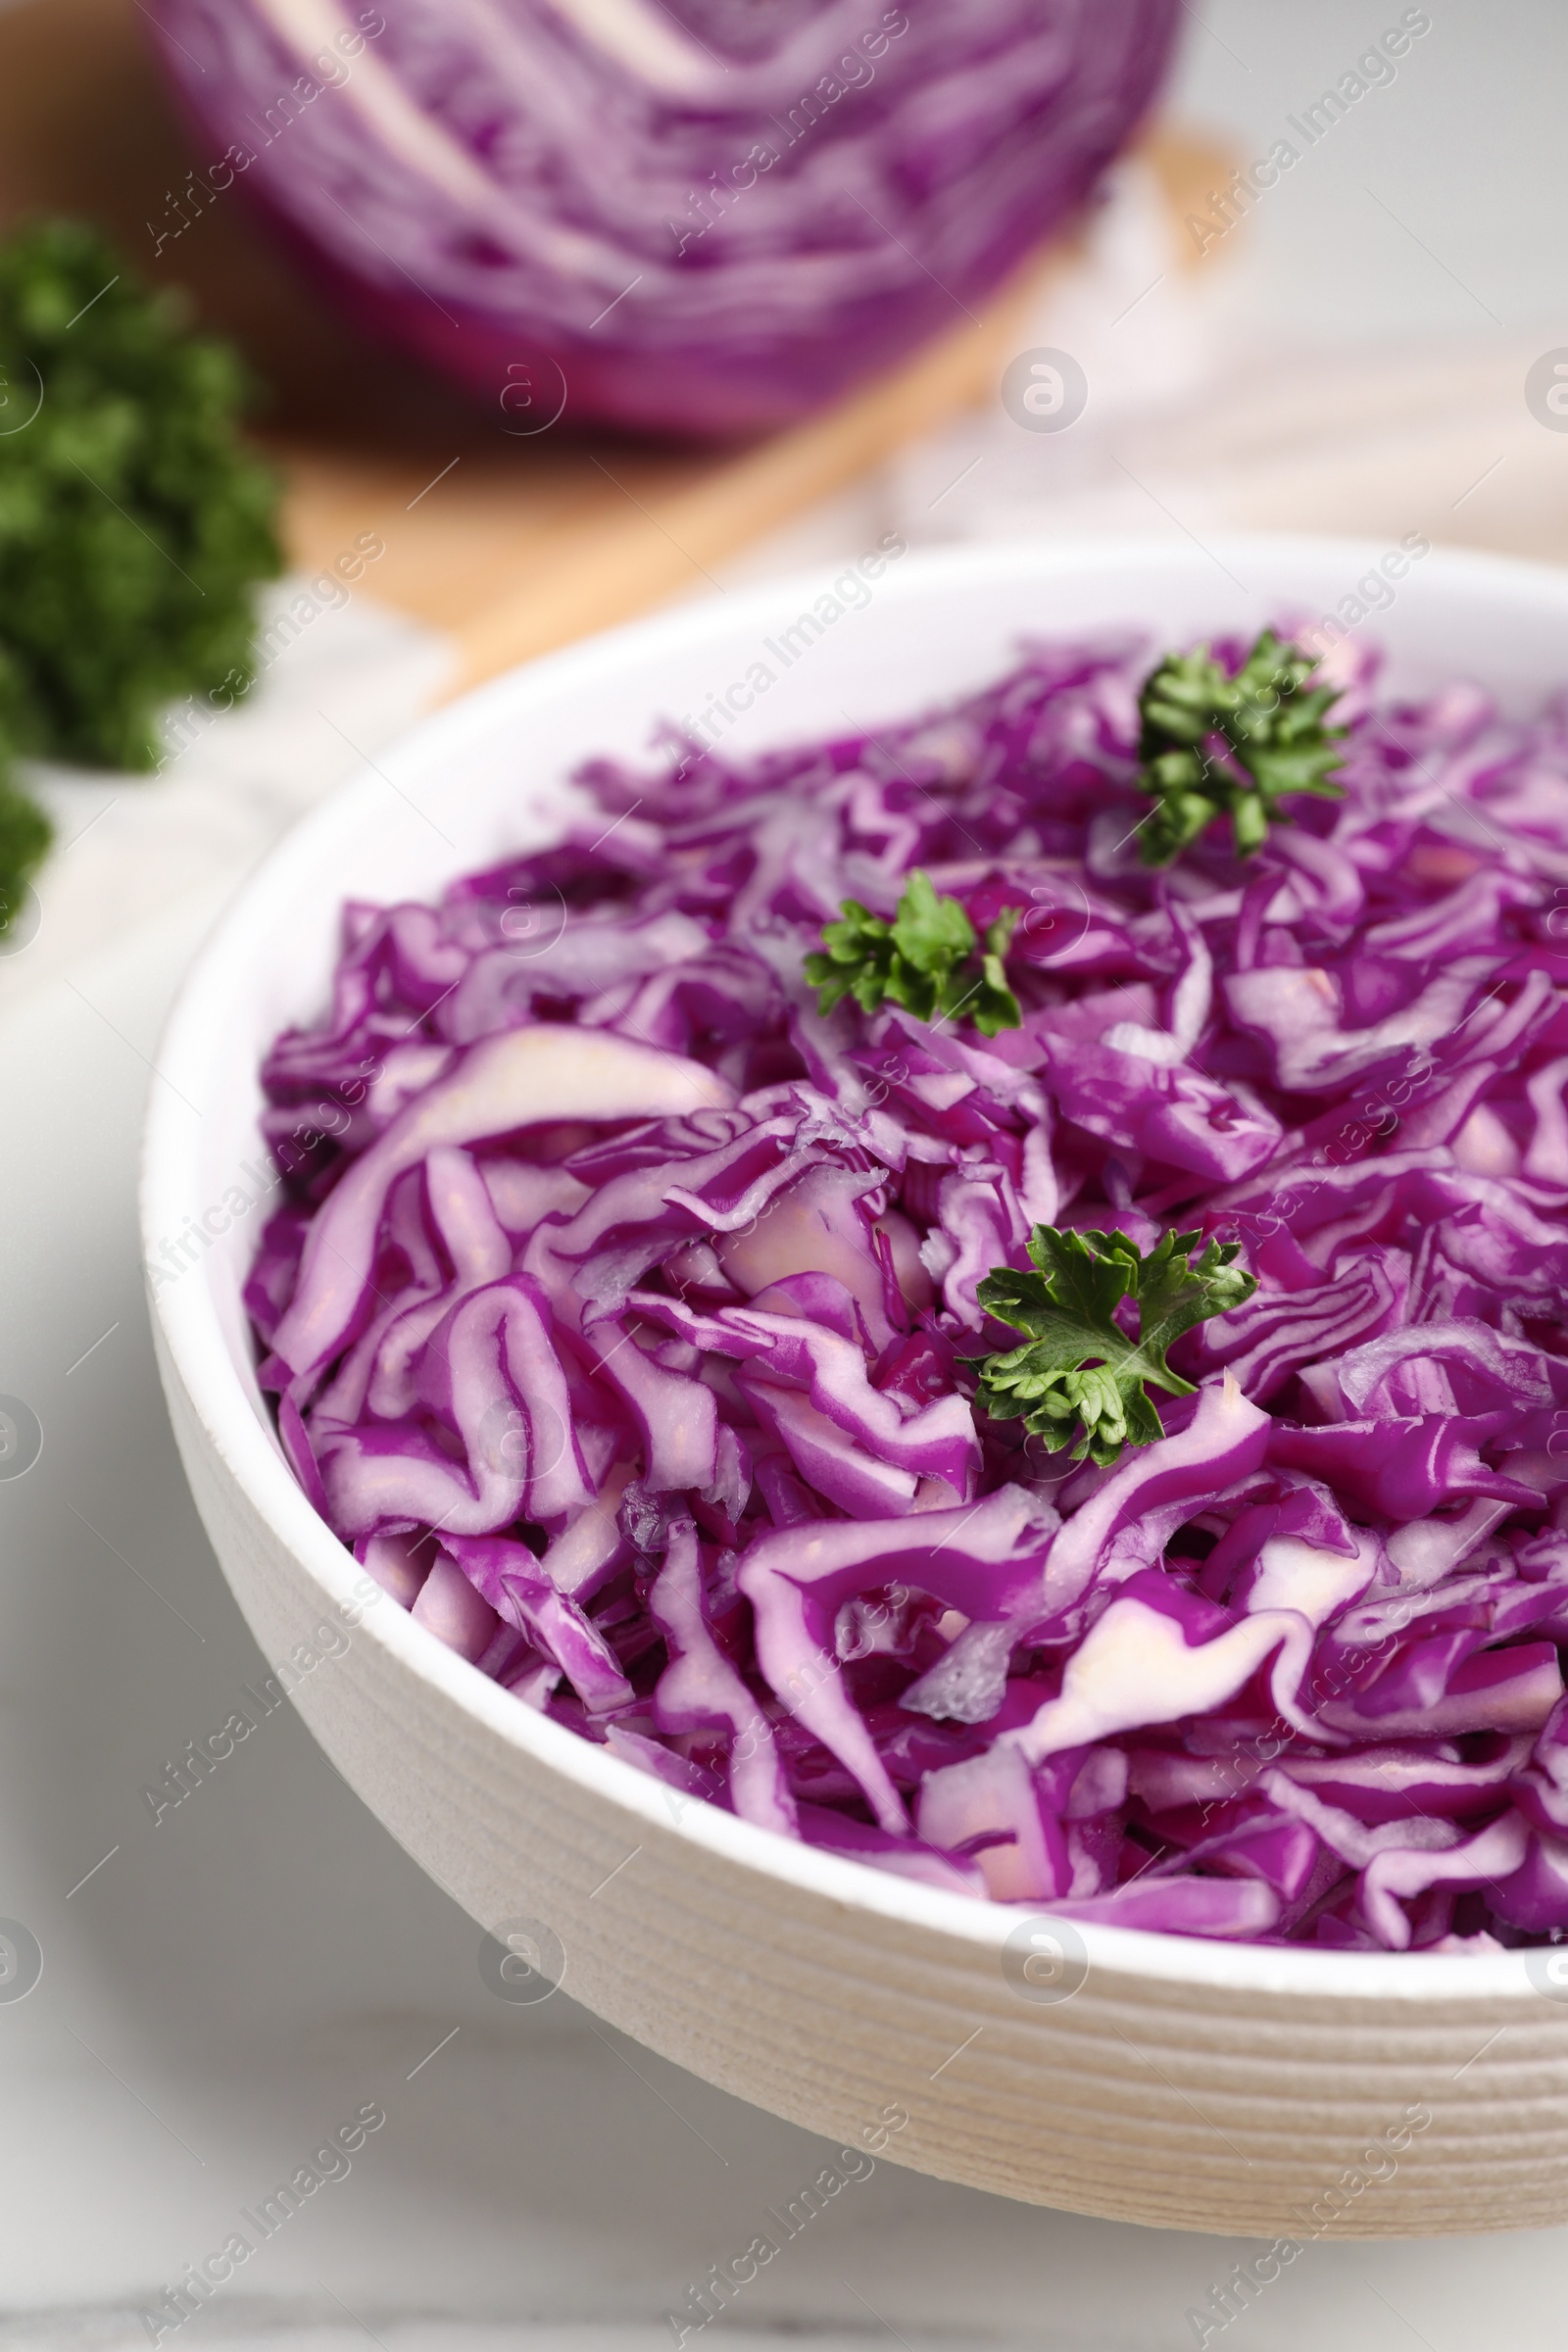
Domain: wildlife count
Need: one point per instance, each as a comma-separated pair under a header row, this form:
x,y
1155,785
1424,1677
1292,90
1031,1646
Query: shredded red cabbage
x,y
694,217
621,1310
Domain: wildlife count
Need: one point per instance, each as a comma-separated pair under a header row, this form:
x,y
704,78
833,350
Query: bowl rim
x,y
186,1319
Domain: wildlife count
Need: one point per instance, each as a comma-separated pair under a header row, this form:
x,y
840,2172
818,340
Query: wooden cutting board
x,y
512,546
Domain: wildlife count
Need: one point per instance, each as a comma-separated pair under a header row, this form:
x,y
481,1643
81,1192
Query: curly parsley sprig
x,y
1078,1368
1213,744
925,959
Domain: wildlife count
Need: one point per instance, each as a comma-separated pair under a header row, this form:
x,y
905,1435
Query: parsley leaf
x,y
1215,744
924,960
1078,1366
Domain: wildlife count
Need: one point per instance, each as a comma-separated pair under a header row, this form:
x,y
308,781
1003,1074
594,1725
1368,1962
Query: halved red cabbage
x,y
690,217
621,1309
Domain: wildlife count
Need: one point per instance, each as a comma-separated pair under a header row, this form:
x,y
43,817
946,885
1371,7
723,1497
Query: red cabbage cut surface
x,y
690,217
620,1307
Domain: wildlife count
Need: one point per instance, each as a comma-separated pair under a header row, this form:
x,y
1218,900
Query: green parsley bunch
x,y
133,521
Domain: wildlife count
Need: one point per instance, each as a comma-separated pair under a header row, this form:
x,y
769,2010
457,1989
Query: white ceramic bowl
x,y
1201,2086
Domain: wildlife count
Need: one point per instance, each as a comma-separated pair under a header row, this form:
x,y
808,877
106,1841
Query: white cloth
x,y
131,850
1194,426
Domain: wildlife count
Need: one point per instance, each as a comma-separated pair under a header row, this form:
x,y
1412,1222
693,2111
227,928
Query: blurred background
x,y
1114,334
1347,348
